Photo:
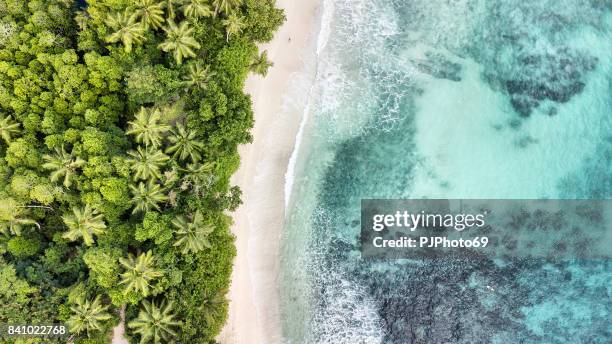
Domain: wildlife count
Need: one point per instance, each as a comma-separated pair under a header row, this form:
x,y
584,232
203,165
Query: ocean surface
x,y
500,99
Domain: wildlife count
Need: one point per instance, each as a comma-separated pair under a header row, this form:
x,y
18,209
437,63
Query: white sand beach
x,y
254,301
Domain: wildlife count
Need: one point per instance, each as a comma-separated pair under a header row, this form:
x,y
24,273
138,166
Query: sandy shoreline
x,y
254,302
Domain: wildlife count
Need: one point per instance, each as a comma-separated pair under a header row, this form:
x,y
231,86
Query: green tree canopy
x,y
119,127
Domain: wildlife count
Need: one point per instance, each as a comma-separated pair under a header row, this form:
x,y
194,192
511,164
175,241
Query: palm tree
x,y
146,127
210,307
193,236
146,197
261,64
84,223
146,162
151,13
226,6
198,176
87,316
179,41
63,164
154,323
127,29
183,144
197,9
8,128
139,272
169,5
233,25
13,217
198,76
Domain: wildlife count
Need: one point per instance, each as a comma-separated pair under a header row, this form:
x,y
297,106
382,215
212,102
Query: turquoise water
x,y
449,99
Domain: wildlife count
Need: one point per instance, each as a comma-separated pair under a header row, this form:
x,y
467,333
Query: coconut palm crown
x,y
184,144
197,176
146,163
197,9
147,197
179,41
8,128
233,25
146,127
84,223
139,273
261,64
192,235
64,165
155,323
14,217
87,316
151,13
226,6
210,308
198,76
127,29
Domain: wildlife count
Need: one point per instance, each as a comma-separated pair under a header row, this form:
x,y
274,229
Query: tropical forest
x,y
119,127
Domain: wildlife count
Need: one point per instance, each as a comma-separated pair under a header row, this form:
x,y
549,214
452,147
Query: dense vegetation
x,y
119,127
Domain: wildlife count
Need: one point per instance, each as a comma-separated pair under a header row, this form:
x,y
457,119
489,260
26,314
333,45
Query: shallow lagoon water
x,y
449,99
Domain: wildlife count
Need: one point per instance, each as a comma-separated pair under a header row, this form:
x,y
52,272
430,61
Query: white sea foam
x,y
321,42
340,104
350,314
290,174
327,18
346,313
